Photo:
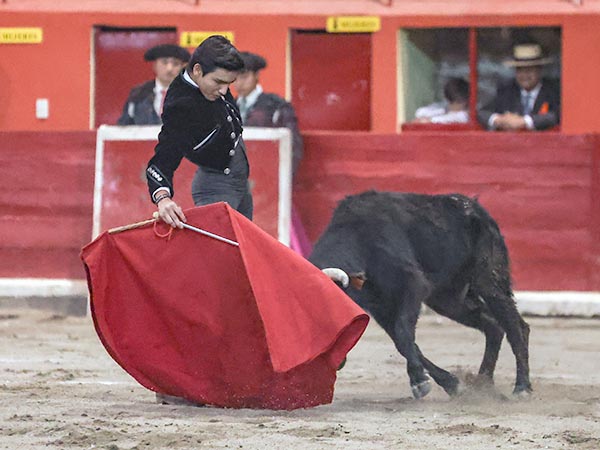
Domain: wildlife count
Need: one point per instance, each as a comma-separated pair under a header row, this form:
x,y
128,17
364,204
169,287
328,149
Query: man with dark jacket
x,y
261,109
202,123
529,102
145,102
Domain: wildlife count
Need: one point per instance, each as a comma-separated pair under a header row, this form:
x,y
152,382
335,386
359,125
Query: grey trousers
x,y
212,187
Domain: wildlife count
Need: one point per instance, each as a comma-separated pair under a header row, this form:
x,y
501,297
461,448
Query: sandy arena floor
x,y
61,390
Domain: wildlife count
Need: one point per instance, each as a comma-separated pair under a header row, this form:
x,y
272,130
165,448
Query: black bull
x,y
403,250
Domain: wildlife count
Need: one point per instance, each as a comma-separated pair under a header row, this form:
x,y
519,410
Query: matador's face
x,y
214,84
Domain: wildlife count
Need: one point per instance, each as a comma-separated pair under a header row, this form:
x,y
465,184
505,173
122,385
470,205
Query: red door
x,y
331,80
120,65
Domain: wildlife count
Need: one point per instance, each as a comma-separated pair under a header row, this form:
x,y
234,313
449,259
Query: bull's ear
x,y
357,280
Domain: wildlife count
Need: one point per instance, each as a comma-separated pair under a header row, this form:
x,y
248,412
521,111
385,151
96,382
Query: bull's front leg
x,y
404,338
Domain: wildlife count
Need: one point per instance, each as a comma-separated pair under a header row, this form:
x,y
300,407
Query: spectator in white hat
x,y
529,102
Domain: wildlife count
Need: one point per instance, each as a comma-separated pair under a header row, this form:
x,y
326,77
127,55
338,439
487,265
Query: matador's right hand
x,y
171,213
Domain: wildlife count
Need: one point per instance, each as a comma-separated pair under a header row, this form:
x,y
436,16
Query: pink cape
x,y
254,326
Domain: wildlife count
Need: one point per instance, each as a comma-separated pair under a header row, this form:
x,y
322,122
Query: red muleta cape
x,y
254,326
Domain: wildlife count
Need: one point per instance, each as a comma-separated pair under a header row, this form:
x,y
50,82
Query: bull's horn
x,y
337,275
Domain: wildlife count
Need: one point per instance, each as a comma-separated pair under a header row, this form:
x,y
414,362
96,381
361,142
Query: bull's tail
x,y
492,283
492,262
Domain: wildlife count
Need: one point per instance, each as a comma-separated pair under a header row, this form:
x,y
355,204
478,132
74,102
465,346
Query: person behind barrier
x,y
528,102
202,123
145,102
262,109
455,108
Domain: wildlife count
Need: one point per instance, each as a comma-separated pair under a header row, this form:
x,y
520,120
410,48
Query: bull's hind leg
x,y
493,341
491,281
473,313
505,312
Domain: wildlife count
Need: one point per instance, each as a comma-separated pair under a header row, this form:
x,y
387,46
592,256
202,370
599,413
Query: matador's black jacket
x,y
193,127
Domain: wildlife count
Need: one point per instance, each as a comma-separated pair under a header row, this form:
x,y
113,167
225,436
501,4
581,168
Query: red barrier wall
x,y
45,202
125,197
542,188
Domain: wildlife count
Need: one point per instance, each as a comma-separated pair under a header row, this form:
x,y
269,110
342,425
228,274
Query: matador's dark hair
x,y
216,52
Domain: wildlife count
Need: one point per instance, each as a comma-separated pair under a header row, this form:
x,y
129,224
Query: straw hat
x,y
528,55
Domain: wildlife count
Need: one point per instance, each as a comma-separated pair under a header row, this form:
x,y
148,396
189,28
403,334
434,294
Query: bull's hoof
x,y
480,381
522,392
454,387
421,389
460,390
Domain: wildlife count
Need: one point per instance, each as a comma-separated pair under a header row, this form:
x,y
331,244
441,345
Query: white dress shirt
x,y
159,92
246,103
439,113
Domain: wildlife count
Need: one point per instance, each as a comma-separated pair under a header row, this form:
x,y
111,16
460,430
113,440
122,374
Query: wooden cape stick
x,y
131,226
185,225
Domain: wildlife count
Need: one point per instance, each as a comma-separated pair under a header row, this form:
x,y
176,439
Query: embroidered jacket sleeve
x,y
175,136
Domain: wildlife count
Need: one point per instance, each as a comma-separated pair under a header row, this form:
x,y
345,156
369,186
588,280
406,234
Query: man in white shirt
x,y
263,109
145,101
529,102
454,110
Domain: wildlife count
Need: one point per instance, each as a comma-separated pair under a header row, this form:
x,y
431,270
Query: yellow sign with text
x,y
195,38
353,24
21,35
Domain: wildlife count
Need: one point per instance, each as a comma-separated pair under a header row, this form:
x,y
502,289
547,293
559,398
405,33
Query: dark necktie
x,y
527,103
